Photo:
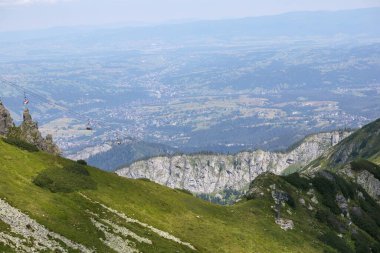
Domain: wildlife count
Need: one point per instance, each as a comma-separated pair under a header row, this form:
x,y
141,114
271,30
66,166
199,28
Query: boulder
x,y
285,224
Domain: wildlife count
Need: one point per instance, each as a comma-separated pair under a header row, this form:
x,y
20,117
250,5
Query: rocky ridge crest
x,y
27,131
204,173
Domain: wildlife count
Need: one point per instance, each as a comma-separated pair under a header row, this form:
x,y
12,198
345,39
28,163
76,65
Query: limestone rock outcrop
x,y
204,173
31,134
365,179
6,121
28,132
370,184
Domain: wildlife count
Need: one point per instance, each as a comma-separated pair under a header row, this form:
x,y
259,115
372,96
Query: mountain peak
x,y
28,131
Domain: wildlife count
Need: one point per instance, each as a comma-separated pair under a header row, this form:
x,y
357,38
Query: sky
x,y
37,14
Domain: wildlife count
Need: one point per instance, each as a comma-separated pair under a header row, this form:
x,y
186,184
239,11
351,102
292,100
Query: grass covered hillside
x,y
50,204
362,144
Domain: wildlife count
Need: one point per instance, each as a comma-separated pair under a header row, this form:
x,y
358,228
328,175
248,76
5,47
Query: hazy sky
x,y
30,14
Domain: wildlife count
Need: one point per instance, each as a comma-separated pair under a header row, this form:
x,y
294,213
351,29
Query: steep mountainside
x,y
364,143
356,158
366,174
205,173
349,216
50,204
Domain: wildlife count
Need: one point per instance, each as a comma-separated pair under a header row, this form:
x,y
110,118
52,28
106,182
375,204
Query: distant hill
x,y
318,23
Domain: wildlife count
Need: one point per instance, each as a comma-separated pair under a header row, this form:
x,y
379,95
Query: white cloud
x,y
28,2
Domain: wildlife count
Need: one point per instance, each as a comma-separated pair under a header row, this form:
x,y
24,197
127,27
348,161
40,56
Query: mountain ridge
x,y
365,18
214,173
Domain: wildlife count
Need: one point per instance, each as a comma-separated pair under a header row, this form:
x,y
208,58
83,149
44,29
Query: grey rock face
x,y
49,145
366,180
31,134
6,120
370,184
342,203
28,132
285,224
213,173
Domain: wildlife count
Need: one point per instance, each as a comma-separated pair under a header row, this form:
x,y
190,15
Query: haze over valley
x,y
201,86
211,126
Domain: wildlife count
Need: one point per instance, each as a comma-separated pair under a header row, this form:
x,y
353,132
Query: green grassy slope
x,y
364,143
246,227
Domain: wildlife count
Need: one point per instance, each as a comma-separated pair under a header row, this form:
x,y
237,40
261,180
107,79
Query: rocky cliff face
x,y
6,121
213,173
370,184
31,134
49,146
364,178
28,132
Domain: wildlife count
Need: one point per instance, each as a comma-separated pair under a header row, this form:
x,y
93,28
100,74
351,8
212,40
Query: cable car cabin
x,y
88,126
290,161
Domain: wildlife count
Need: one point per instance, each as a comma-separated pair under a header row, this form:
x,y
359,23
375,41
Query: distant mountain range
x,y
302,24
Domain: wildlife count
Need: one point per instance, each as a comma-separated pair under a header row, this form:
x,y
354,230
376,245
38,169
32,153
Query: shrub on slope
x,y
70,178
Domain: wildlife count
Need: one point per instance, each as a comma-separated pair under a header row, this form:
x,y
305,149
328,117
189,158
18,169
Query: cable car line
x,y
46,100
42,99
